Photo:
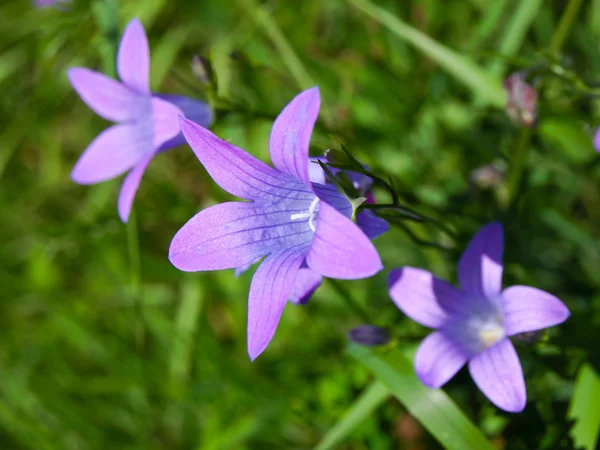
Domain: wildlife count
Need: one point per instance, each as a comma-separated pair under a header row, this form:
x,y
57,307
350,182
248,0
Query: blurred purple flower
x,y
147,123
521,106
293,222
50,3
597,140
474,322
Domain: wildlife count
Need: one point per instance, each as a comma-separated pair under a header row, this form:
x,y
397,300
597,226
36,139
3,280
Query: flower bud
x,y
521,106
369,335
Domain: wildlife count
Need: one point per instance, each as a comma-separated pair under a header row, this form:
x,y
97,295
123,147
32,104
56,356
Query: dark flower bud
x,y
369,335
529,336
521,107
335,156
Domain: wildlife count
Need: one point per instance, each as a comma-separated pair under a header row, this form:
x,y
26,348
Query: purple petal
x,y
340,249
480,266
307,282
497,373
438,359
239,173
115,150
419,295
130,187
290,136
165,121
133,58
530,309
597,140
271,287
194,110
315,173
371,224
234,234
106,97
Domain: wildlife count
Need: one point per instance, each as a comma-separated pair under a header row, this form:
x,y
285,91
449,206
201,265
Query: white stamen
x,y
491,334
311,214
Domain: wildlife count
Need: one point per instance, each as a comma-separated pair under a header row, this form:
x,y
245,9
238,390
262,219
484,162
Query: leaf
x,y
485,85
371,399
585,408
431,407
569,137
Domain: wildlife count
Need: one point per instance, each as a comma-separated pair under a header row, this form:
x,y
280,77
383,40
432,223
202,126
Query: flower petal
x,y
130,187
234,234
133,58
497,373
106,97
307,282
238,172
438,359
290,136
419,295
480,266
597,140
340,249
371,224
165,121
530,309
194,110
271,287
115,150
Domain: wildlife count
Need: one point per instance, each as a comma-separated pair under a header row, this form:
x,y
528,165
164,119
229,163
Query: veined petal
x,y
498,374
307,282
133,58
130,187
315,173
290,136
106,97
371,224
238,172
340,249
194,110
480,266
419,294
165,121
115,150
270,289
438,359
234,234
530,309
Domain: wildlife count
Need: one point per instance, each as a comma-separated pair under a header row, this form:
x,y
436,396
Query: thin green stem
x,y
349,300
564,26
135,278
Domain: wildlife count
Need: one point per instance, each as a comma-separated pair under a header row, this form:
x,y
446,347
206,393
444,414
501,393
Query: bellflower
x,y
147,123
293,222
474,322
597,140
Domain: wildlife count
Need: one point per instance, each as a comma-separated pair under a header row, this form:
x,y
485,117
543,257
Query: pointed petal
x,y
530,309
238,172
106,97
372,225
438,359
130,187
115,150
271,287
420,295
340,249
234,234
165,121
307,282
133,58
497,373
480,266
290,136
194,110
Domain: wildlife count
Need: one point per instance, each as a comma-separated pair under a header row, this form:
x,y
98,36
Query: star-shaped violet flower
x,y
147,123
288,219
474,323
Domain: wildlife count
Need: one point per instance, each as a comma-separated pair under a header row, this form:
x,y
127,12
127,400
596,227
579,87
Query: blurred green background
x,y
103,344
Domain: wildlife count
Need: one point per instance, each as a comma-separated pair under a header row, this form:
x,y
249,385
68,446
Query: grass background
x,y
103,344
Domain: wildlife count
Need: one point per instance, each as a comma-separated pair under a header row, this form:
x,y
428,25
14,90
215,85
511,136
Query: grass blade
x,y
373,397
585,408
431,407
483,84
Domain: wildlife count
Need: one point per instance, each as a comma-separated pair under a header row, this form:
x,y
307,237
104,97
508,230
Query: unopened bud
x,y
488,176
201,69
521,106
370,335
334,156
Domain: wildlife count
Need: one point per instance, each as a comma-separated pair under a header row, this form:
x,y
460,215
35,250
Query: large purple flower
x,y
147,123
293,222
474,323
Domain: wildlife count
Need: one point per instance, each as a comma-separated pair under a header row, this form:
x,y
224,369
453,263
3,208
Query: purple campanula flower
x,y
474,323
296,224
597,140
147,123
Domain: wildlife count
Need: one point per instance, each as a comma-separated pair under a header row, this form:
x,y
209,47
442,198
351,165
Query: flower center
x,y
491,333
311,214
